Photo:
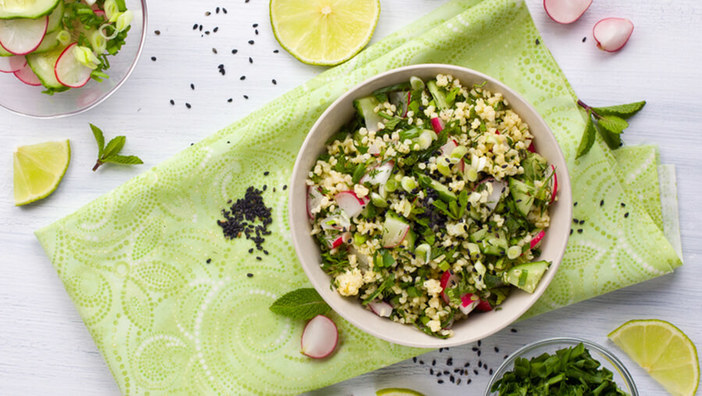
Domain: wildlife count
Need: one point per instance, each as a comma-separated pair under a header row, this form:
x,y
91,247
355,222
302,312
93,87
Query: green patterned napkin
x,y
168,300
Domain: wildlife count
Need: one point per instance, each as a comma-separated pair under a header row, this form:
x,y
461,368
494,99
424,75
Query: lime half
x,y
397,392
663,350
324,32
38,169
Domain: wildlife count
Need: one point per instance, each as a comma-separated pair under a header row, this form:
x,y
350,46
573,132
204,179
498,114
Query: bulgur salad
x,y
431,203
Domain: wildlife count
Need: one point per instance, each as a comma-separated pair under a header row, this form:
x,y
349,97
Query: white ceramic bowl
x,y
29,101
477,326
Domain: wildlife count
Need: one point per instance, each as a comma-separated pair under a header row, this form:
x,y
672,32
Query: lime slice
x,y
324,32
664,351
39,169
397,392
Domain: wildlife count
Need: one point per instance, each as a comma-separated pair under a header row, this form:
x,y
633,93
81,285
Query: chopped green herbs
x,y
609,121
569,371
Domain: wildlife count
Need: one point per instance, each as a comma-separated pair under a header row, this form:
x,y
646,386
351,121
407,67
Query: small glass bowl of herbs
x,y
562,366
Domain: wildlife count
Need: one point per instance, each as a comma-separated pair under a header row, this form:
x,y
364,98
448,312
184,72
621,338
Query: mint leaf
x,y
588,138
613,124
124,159
301,304
624,110
99,138
113,147
613,140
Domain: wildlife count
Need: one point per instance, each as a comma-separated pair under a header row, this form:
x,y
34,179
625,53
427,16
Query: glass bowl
x,y
28,101
622,377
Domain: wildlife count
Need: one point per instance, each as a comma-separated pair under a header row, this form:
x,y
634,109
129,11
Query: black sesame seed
x,y
274,82
446,372
490,372
475,371
452,379
215,29
575,220
414,359
234,51
431,371
479,342
584,38
275,51
602,202
440,381
251,250
188,105
230,100
467,364
224,10
571,231
246,96
479,352
266,173
195,26
505,357
250,60
582,222
480,363
172,102
258,258
208,13
285,187
513,330
251,42
214,50
200,27
623,205
537,42
217,10
209,260
192,86
433,362
575,204
255,25
497,350
458,381
250,275
242,78
157,32
469,381
580,230
475,349
256,31
449,362
626,214
421,362
153,58
264,250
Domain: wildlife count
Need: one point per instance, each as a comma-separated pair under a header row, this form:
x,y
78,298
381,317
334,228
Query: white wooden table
x,y
44,347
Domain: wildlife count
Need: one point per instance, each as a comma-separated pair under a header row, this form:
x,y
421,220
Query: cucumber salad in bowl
x,y
430,205
61,44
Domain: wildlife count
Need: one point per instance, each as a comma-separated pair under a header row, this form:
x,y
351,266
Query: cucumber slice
x,y
522,194
527,276
395,229
10,9
55,17
43,66
366,109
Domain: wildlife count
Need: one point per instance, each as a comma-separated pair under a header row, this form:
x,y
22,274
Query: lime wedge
x,y
664,351
38,170
397,392
324,32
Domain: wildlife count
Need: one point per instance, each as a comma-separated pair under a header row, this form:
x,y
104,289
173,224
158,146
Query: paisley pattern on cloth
x,y
168,321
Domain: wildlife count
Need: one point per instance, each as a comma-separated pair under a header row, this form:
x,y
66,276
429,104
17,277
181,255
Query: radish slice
x,y
437,124
498,188
468,304
380,308
531,147
448,280
395,230
401,100
22,36
336,241
350,203
319,338
566,11
11,64
27,76
379,174
69,71
447,148
483,306
336,222
555,184
314,200
611,34
535,240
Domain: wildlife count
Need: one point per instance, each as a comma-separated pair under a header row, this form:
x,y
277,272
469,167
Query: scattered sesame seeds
x,y
537,42
414,359
571,231
172,102
230,100
153,58
440,381
250,59
217,10
513,330
250,275
622,204
285,186
602,202
214,50
251,42
248,215
224,10
626,214
251,250
157,32
266,173
216,28
255,25
580,230
274,82
195,26
497,350
246,96
188,105
192,86
275,51
575,204
242,78
209,260
584,39
258,258
234,51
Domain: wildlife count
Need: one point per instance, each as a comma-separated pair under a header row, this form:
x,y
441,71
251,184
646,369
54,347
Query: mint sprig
x,y
302,304
109,153
609,121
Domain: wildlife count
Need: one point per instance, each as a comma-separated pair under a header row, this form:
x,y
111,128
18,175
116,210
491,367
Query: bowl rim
x,y
565,198
142,40
611,357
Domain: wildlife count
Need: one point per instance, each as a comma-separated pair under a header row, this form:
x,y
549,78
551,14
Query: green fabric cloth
x,y
168,321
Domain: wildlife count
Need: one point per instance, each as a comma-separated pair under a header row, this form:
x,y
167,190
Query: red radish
x,y
555,184
611,34
566,11
448,280
22,36
27,76
401,100
447,148
11,64
336,241
69,71
314,199
437,124
395,230
380,174
468,303
483,306
380,308
319,338
350,203
531,147
535,240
